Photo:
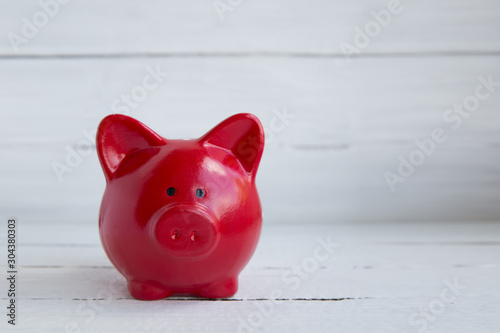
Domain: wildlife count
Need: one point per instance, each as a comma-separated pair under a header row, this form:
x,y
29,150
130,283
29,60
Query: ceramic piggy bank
x,y
180,216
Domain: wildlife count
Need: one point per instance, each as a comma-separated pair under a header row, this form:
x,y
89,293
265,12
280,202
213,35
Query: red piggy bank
x,y
180,216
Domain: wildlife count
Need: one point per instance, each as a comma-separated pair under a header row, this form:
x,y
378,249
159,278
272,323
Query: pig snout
x,y
185,231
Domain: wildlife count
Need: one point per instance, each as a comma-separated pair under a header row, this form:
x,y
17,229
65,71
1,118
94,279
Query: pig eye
x,y
200,193
171,191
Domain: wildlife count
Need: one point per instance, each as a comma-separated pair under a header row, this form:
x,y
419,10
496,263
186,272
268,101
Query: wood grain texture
x,y
322,174
377,279
297,27
351,123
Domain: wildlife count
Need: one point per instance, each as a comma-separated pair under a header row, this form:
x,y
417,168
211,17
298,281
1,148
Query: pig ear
x,y
119,135
243,135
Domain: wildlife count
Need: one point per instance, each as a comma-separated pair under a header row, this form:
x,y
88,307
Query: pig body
x,y
180,216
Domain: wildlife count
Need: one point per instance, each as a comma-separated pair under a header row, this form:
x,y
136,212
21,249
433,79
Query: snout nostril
x,y
175,235
194,236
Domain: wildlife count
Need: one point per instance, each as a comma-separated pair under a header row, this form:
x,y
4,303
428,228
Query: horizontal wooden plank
x,y
330,281
300,27
68,262
341,187
351,123
264,316
332,105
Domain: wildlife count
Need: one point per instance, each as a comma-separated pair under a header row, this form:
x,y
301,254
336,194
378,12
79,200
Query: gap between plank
x,y
236,299
332,55
208,300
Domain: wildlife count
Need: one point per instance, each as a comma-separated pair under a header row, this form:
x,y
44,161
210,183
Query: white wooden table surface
x,y
322,173
374,278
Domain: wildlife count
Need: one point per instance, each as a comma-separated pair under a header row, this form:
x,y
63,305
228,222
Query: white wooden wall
x,y
352,118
